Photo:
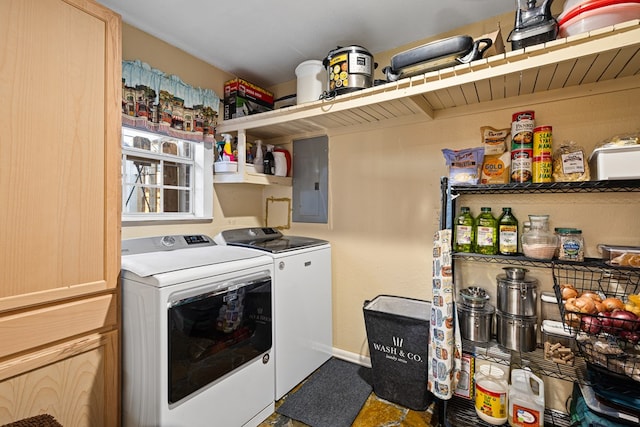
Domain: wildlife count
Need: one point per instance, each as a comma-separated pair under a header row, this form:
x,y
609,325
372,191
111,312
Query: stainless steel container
x,y
517,333
474,297
475,323
517,295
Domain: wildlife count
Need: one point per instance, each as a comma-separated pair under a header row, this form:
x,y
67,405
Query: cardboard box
x,y
242,98
466,384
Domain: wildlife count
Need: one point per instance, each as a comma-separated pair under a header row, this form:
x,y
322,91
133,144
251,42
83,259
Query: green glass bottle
x,y
486,233
507,233
464,231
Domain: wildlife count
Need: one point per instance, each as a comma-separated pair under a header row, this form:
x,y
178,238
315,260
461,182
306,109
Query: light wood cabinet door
x,y
60,63
60,90
74,382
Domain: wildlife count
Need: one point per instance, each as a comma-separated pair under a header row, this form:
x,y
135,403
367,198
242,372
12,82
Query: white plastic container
x,y
596,15
526,405
311,81
225,167
281,163
615,162
491,394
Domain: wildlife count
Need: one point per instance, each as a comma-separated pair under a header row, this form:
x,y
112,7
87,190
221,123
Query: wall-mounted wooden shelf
x,y
610,54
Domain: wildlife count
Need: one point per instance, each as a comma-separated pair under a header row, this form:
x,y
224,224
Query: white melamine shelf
x,y
605,55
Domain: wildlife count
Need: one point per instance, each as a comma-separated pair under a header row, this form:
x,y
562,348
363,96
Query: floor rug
x,y
331,397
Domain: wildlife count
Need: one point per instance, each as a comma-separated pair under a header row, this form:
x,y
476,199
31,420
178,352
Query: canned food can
x,y
542,168
542,141
522,126
523,115
521,165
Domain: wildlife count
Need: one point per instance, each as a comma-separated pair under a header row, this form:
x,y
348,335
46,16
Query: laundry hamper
x,y
398,336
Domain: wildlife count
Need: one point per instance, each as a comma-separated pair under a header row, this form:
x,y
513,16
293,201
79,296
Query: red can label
x,y
523,115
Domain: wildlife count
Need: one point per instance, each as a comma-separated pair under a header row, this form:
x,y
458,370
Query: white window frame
x,y
201,185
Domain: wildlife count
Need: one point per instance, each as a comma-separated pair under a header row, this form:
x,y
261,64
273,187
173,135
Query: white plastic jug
x,y
526,405
491,394
311,81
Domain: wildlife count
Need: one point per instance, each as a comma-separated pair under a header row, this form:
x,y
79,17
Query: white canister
x,y
281,163
312,81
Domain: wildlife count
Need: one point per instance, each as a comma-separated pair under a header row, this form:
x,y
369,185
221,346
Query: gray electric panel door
x,y
311,179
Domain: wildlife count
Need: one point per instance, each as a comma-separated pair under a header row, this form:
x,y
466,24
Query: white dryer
x,y
302,295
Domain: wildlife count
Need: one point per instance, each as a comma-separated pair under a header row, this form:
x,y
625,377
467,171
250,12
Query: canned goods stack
x,y
542,154
522,126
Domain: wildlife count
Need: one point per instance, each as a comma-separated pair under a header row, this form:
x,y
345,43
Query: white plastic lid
x,y
554,327
549,297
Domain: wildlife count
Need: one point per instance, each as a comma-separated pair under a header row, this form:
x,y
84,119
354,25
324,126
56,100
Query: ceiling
x,y
264,40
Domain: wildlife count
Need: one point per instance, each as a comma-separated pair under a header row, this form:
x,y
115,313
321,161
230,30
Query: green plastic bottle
x,y
507,233
464,231
486,233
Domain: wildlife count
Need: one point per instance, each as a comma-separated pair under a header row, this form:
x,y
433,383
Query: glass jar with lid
x,y
570,244
539,242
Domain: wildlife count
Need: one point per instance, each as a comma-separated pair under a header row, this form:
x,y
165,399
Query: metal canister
x,y
542,164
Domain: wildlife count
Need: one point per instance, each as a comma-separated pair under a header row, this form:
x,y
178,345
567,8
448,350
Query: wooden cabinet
x,y
60,62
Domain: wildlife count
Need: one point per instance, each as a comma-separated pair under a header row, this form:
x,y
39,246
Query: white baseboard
x,y
352,357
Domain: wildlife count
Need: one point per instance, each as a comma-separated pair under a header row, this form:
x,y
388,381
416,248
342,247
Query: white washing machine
x,y
197,330
302,295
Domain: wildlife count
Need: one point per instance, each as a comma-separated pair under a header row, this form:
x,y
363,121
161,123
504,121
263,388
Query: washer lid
x,y
152,263
266,239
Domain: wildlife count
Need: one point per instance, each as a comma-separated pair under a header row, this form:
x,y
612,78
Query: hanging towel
x,y
445,348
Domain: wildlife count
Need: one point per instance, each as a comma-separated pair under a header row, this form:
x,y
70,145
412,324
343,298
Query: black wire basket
x,y
607,325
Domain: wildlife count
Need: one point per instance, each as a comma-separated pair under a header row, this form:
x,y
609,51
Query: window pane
x,y
141,171
138,199
176,147
177,200
177,174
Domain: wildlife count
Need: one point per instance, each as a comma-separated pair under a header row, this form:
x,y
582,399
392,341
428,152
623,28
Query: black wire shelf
x,y
610,186
461,413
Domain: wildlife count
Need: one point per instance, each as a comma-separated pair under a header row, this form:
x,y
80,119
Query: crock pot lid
x,y
351,49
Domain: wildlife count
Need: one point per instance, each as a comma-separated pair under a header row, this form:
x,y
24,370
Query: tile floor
x,y
376,412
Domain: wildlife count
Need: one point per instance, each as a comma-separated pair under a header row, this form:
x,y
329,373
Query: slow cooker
x,y
349,68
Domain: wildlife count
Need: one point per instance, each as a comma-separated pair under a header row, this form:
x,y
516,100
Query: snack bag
x,y
496,168
494,141
570,163
464,165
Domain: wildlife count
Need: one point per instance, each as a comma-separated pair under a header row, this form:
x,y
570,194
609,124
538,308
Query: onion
x,y
632,337
611,304
592,295
590,324
585,305
606,321
568,291
570,305
623,320
600,306
572,320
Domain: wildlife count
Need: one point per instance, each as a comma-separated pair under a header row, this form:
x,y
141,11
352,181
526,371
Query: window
x,y
165,178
